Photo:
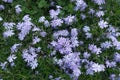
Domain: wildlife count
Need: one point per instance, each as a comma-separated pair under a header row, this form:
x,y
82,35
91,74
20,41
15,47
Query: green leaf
x,y
42,4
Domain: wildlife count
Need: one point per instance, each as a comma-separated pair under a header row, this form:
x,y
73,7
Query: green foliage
x,y
42,4
46,67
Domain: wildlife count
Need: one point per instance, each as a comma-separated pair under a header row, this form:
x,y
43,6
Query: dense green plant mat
x,y
17,67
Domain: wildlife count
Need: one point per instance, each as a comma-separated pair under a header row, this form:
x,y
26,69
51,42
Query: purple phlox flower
x,y
74,32
56,22
80,5
18,9
9,25
3,65
63,45
36,29
106,44
74,38
11,58
99,2
46,23
54,13
112,29
93,48
24,27
86,29
97,67
9,29
112,77
8,33
100,13
81,42
26,18
86,55
41,19
14,48
2,7
1,18
91,11
60,33
88,35
74,42
58,7
43,33
102,24
116,43
117,57
36,40
69,19
8,1
110,64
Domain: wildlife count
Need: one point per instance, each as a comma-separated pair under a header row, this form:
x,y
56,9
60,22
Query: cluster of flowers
x,y
24,27
30,56
9,29
71,61
66,45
